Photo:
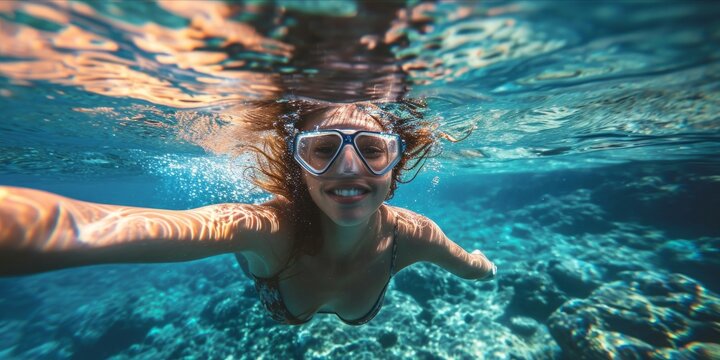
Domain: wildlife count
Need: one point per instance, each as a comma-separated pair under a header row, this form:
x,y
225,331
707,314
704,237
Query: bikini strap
x,y
394,251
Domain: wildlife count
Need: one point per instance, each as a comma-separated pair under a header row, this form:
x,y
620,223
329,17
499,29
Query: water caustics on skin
x,y
409,223
65,222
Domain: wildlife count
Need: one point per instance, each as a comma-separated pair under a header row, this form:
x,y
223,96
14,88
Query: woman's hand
x,y
493,268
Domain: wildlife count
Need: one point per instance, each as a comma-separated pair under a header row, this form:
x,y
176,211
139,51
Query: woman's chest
x,y
350,294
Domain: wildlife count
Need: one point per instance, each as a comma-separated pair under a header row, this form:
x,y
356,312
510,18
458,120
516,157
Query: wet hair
x,y
277,172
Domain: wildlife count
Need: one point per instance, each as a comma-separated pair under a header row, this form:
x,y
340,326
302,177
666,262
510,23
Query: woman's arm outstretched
x,y
41,231
426,242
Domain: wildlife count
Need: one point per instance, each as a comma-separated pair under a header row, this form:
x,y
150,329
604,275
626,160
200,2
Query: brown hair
x,y
276,172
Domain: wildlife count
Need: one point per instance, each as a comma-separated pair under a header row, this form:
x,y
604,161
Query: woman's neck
x,y
343,242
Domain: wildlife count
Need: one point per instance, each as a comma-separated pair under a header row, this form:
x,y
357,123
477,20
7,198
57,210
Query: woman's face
x,y
336,191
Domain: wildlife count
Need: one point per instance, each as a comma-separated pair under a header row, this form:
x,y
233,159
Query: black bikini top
x,y
269,291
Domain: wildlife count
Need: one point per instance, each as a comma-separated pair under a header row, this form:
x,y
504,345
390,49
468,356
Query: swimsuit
x,y
269,292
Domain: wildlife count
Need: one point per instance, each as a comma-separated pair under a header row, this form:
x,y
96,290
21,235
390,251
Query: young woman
x,y
325,243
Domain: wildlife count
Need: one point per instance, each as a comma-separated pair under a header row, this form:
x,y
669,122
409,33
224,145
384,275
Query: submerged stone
x,y
424,283
388,339
646,315
535,294
575,277
523,325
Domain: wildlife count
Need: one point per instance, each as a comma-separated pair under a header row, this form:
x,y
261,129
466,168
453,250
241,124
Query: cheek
x,y
310,181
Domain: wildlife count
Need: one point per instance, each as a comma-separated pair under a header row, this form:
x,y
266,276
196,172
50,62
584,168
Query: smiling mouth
x,y
348,195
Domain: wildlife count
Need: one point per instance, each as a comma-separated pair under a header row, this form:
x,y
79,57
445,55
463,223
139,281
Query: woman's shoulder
x,y
277,243
266,257
278,208
412,233
408,222
264,220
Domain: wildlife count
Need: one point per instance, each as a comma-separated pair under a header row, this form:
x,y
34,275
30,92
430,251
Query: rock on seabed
x,y
646,315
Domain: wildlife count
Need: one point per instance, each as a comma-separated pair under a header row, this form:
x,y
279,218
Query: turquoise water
x,y
589,173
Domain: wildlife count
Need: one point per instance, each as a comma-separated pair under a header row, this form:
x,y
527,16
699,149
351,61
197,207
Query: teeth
x,y
348,192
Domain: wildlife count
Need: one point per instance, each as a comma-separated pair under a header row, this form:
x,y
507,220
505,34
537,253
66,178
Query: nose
x,y
348,161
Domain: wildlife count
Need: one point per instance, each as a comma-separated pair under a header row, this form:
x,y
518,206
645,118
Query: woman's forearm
x,y
472,266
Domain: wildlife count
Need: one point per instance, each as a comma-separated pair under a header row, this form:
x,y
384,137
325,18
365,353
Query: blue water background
x,y
595,148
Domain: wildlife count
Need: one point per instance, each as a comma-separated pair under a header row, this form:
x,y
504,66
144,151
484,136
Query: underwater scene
x,y
579,152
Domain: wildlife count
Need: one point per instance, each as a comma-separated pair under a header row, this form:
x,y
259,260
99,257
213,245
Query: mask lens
x,y
379,151
317,151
